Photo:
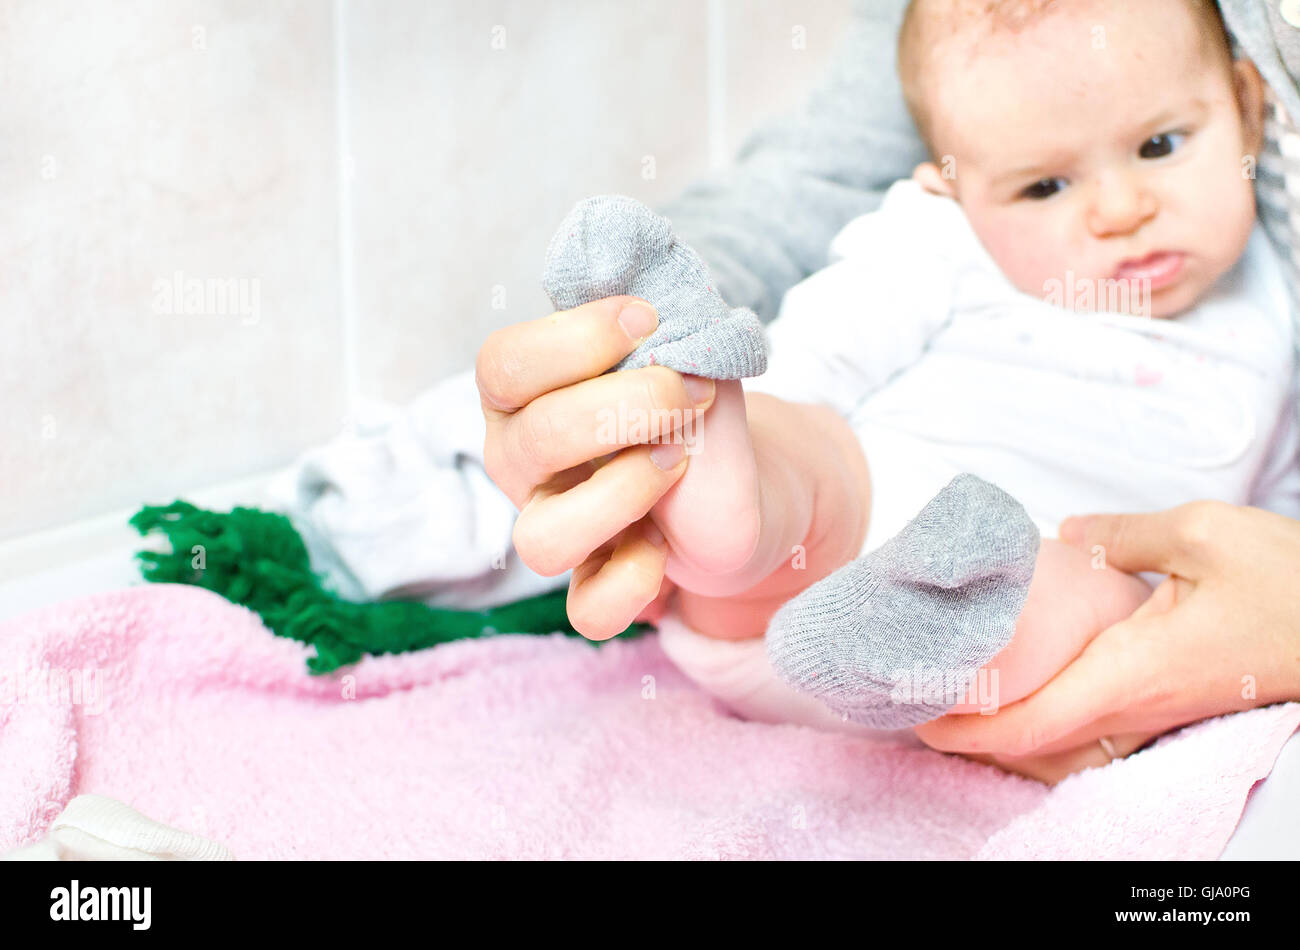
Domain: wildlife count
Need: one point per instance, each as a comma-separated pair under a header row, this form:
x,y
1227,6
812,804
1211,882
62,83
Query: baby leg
x,y
1070,601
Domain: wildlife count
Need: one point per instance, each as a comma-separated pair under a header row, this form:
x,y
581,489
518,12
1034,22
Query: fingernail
x,y
699,389
654,535
638,321
667,456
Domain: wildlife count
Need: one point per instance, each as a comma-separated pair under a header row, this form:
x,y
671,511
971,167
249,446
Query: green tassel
x,y
258,560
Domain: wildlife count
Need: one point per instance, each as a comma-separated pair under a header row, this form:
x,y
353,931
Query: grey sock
x,y
889,640
613,245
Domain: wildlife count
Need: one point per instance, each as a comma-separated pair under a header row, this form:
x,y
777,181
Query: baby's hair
x,y
928,23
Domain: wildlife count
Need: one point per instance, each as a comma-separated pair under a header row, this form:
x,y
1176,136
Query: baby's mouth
x,y
1161,268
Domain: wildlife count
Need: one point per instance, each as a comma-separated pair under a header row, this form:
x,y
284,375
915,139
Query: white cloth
x,y
402,506
98,828
942,366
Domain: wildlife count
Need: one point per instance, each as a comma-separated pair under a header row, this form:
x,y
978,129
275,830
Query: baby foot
x,y
889,639
612,245
711,516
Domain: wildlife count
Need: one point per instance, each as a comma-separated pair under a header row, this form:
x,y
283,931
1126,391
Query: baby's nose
x,y
1120,206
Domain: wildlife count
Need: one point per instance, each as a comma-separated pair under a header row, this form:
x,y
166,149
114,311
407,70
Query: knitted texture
x,y
610,245
892,639
257,559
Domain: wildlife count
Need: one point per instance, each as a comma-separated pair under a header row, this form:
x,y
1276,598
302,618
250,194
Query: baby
x,y
1092,170
1071,302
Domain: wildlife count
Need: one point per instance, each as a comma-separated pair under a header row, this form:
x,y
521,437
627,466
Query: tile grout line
x,y
716,83
346,174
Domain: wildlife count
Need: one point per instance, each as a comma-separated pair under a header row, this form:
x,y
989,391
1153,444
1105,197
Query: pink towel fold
x,y
533,747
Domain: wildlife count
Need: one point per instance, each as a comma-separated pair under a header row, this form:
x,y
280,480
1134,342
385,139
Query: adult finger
x,y
565,428
558,530
1178,541
608,591
1076,705
1054,766
517,364
657,608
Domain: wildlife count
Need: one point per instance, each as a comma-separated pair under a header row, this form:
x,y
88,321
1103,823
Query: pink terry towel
x,y
529,747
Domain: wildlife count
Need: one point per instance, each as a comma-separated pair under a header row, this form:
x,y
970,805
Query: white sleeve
x,y
845,331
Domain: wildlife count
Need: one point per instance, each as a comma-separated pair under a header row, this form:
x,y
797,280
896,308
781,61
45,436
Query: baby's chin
x,y
1174,307
1133,298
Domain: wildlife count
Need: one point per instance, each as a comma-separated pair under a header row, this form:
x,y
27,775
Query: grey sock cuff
x,y
611,245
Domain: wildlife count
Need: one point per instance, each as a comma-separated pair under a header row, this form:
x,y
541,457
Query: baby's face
x,y
1108,144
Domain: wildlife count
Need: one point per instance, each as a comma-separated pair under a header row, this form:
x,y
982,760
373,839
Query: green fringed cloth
x,y
258,560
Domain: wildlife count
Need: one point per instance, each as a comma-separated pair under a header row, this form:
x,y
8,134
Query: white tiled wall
x,y
374,180
142,138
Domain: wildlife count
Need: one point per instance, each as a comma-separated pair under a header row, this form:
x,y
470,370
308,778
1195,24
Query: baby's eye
x,y
1042,190
1158,146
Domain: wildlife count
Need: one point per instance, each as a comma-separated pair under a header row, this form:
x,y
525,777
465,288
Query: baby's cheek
x,y
1031,258
1215,210
1229,231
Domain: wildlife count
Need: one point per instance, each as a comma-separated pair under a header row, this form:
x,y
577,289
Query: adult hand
x,y
1221,634
547,406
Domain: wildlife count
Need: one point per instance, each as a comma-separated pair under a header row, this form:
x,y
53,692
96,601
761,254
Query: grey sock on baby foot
x,y
612,245
884,640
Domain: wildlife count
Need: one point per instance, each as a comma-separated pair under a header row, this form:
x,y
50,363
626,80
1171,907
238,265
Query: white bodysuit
x,y
942,366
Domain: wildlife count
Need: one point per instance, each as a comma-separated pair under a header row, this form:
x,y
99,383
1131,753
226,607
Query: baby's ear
x,y
929,176
1251,99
